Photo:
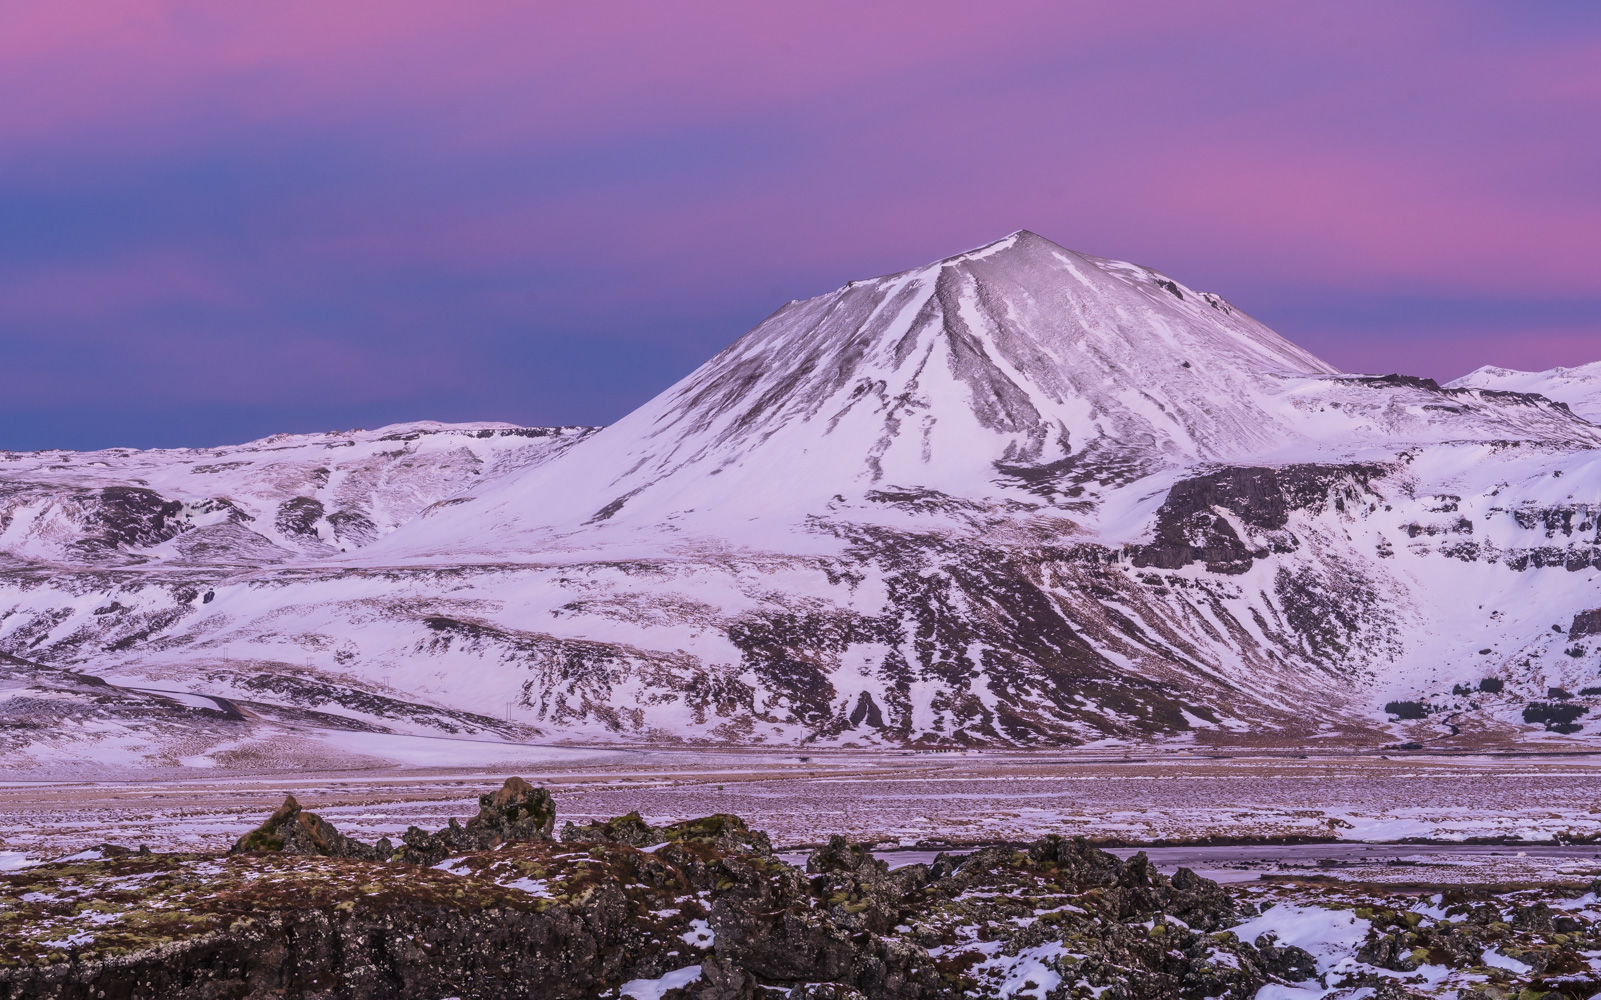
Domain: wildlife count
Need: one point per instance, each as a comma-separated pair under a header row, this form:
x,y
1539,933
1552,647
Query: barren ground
x,y
887,798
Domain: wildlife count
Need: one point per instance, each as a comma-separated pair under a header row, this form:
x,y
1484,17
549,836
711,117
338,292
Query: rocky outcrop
x,y
1230,518
292,830
516,811
723,831
300,910
630,829
1585,623
709,913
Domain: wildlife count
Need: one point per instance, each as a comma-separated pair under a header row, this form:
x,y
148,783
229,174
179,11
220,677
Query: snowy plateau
x,y
1019,497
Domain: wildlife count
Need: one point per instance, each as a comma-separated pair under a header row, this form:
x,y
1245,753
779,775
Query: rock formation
x,y
710,913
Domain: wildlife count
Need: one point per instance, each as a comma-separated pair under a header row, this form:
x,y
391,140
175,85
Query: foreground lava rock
x,y
707,912
516,811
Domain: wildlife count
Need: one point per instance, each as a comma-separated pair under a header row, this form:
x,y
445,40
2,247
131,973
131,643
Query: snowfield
x,y
1020,497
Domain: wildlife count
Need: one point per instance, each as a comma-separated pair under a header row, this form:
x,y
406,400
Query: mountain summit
x,y
1020,351
1009,365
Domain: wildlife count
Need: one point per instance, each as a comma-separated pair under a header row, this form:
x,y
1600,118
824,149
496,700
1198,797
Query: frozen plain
x,y
894,799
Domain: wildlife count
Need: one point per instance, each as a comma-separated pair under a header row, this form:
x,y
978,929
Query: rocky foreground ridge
x,y
704,909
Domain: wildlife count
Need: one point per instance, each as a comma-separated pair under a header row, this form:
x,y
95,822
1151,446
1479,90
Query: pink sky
x,y
229,219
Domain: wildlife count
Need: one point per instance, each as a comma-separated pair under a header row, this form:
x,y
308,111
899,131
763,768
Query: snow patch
x,y
1330,936
654,989
699,935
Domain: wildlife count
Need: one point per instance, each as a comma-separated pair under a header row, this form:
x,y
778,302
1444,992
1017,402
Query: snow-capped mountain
x,y
1578,387
1020,496
1018,357
1020,370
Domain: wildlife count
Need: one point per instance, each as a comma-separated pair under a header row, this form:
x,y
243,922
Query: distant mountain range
x,y
1019,497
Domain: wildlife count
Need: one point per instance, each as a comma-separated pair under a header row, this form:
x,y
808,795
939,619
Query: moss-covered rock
x,y
515,811
292,913
630,829
724,831
292,830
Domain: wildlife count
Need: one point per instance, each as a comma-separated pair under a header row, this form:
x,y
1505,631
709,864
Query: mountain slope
x,y
1021,496
1020,361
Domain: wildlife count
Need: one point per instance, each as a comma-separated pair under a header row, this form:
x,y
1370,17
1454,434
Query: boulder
x,y
516,811
1083,862
630,829
841,856
294,831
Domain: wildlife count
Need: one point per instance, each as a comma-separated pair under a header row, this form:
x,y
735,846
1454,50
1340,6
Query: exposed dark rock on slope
x,y
1193,523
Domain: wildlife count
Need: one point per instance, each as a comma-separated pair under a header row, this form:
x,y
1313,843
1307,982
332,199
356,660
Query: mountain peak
x,y
1021,239
1029,340
1019,371
958,376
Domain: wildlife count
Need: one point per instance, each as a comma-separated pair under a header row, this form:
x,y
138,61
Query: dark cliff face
x,y
1193,523
1585,623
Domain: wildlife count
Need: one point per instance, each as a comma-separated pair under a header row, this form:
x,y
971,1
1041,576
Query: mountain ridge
x,y
1018,497
1579,387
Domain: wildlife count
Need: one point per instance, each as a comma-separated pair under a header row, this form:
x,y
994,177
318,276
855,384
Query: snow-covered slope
x,y
1019,496
1578,387
282,498
1019,355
